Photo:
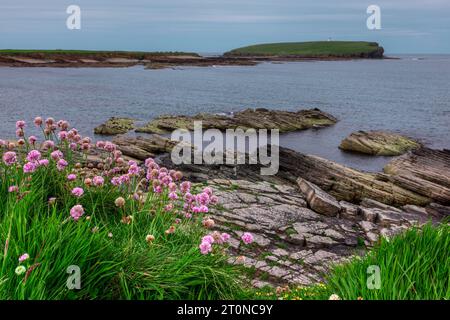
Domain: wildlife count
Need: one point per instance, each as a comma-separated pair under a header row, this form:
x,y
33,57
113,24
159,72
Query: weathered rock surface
x,y
378,143
250,118
295,244
115,126
142,148
318,200
423,171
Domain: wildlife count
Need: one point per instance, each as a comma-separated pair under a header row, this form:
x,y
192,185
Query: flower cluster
x,y
62,147
213,238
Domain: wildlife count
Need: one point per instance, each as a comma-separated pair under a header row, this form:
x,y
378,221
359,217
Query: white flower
x,y
20,270
334,297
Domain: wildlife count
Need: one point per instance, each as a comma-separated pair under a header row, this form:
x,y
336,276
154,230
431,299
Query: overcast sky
x,y
408,26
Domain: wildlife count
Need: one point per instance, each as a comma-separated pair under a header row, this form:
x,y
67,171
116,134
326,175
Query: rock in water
x,y
259,118
115,126
378,143
318,200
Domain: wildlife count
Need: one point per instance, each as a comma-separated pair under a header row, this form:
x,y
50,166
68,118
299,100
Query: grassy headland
x,y
312,49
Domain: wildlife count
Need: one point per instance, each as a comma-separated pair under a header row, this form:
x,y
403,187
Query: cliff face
x,y
376,54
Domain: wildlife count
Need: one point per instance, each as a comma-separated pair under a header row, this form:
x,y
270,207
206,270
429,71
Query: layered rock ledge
x,y
378,143
260,118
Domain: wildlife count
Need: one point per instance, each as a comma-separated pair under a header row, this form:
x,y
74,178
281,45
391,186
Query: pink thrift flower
x,y
9,158
208,238
61,165
98,181
225,237
29,167
247,238
100,144
38,121
177,176
188,197
32,139
110,147
56,155
124,179
115,181
77,192
73,146
49,121
20,125
13,189
24,257
49,144
205,248
62,135
133,170
172,187
214,199
208,191
149,162
185,186
43,162
76,212
20,133
173,196
157,189
168,207
71,177
33,156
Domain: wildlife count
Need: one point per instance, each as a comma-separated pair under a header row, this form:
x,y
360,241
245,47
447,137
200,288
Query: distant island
x,y
251,55
316,49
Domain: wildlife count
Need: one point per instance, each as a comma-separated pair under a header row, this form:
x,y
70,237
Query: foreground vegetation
x,y
308,49
127,244
134,232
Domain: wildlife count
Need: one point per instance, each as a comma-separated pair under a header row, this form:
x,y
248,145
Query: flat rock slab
x,y
378,143
319,200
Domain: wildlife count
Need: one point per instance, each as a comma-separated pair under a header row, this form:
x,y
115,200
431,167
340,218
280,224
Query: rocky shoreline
x,y
314,212
149,61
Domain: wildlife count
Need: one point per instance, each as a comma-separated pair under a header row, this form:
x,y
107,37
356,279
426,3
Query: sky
x,y
214,26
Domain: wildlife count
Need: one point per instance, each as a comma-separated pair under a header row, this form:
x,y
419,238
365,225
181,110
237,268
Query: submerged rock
x,y
115,126
259,118
378,143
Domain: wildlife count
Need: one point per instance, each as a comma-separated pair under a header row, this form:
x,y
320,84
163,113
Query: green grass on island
x,y
135,54
309,49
